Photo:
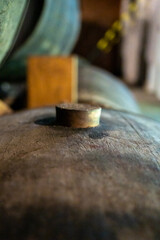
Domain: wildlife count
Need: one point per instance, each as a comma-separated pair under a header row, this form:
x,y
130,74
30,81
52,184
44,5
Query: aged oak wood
x,y
63,183
52,80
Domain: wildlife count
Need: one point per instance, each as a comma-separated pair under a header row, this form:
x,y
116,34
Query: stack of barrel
x,y
79,175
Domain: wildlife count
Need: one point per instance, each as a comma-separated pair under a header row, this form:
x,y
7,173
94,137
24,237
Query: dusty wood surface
x,y
63,183
52,80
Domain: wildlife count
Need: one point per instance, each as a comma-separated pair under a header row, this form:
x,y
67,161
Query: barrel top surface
x,y
95,183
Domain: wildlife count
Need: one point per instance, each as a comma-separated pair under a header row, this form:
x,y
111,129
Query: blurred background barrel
x,y
11,17
98,86
50,27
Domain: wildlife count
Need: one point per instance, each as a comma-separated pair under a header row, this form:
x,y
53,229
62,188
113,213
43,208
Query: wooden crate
x,y
52,80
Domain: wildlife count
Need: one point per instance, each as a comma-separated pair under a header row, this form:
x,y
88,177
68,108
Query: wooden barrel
x,y
10,16
55,34
101,87
64,183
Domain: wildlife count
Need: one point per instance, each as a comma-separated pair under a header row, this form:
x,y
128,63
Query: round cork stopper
x,y
78,115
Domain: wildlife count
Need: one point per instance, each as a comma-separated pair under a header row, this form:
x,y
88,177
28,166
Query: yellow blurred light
x,y
110,34
125,17
102,44
133,7
117,26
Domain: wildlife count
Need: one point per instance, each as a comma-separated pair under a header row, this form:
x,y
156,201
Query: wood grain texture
x,y
63,183
52,80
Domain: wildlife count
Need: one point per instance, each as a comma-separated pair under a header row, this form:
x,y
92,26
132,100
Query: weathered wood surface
x,y
63,183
